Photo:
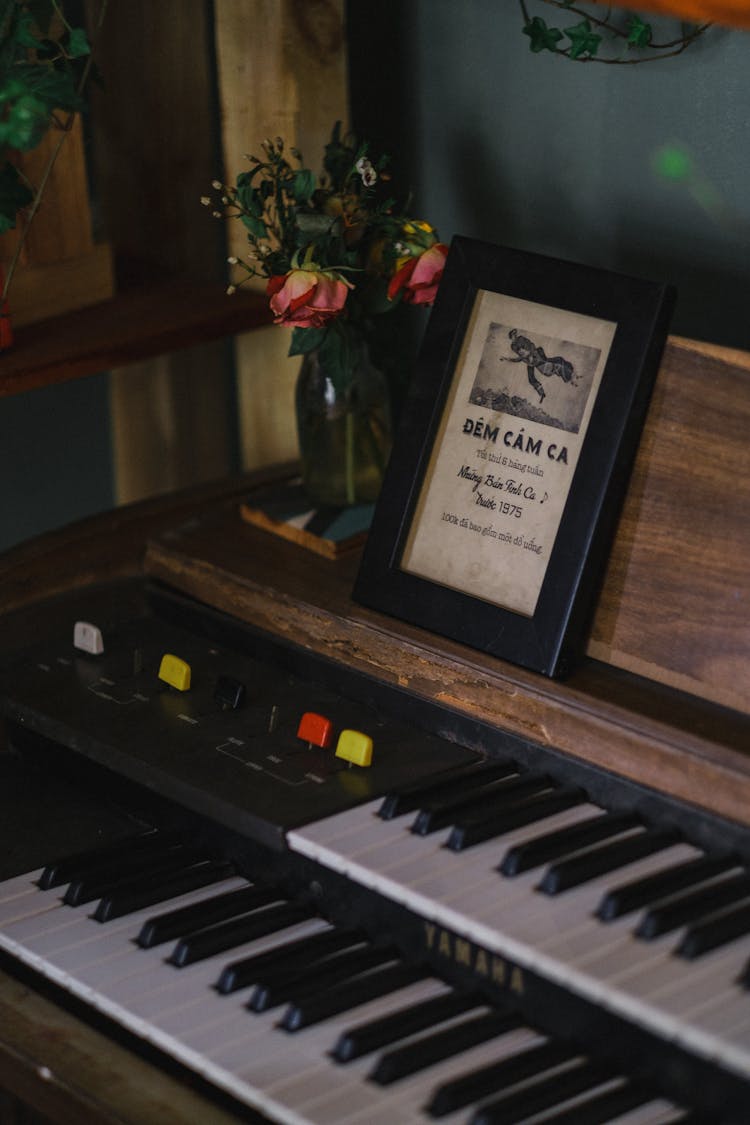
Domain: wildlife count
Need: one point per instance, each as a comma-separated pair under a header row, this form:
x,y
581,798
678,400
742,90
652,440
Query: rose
x,y
306,298
418,277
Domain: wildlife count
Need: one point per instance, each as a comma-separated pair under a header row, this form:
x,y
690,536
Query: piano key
x,y
606,1106
318,1006
63,929
548,847
587,865
426,1050
492,797
299,984
407,1098
372,1036
245,972
547,1092
350,1097
411,797
627,897
236,931
718,929
449,877
62,871
97,880
206,911
692,906
131,898
479,1084
467,833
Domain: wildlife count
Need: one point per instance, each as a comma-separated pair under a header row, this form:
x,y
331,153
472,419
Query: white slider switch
x,y
88,638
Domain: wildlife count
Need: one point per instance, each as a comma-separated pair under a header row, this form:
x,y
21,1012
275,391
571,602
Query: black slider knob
x,y
229,693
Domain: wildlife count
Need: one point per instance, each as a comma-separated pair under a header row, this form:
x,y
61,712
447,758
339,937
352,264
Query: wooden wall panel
x,y
156,151
282,71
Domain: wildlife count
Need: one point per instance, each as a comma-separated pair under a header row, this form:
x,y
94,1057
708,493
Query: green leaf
x,y
54,87
303,185
583,41
256,226
78,44
306,340
639,32
13,196
542,38
25,124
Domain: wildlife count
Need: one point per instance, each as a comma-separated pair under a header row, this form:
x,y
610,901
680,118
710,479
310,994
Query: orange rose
x,y
418,278
306,298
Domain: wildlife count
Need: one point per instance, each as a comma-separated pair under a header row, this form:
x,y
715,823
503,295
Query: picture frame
x,y
514,450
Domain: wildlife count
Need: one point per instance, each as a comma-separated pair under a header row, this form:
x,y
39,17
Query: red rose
x,y
306,298
418,278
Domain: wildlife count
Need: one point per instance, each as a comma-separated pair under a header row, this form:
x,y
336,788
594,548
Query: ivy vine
x,y
606,38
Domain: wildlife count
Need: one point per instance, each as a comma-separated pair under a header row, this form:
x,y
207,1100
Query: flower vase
x,y
344,428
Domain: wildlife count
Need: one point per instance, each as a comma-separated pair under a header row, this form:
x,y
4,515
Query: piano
x,y
532,905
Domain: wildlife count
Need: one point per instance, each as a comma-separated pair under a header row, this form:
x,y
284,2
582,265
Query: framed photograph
x,y
512,460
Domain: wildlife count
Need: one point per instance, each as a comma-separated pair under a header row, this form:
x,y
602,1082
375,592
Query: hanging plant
x,y
607,38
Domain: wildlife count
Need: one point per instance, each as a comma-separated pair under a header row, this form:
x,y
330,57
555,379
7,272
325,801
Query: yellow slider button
x,y
355,747
175,672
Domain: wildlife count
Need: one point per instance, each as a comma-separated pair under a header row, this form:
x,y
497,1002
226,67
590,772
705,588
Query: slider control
x,y
354,747
315,730
88,638
175,672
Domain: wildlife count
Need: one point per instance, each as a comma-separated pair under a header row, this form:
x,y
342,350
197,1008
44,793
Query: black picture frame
x,y
527,595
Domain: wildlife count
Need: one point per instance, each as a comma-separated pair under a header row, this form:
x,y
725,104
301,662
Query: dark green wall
x,y
549,155
55,461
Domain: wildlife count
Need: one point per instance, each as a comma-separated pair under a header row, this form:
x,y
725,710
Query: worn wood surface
x,y
134,325
73,1074
675,602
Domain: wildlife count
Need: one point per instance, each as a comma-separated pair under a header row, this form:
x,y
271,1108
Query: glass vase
x,y
344,428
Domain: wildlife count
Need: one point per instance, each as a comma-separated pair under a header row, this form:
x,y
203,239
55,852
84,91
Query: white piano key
x,y
311,1092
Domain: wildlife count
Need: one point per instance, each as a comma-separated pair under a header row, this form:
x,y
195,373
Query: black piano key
x,y
379,1033
61,871
442,1044
692,907
149,892
597,861
218,908
350,994
300,951
488,800
535,1098
565,841
716,930
206,943
306,981
100,882
603,1107
465,834
415,796
493,1077
642,892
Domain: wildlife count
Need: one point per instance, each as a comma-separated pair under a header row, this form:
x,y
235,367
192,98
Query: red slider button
x,y
315,729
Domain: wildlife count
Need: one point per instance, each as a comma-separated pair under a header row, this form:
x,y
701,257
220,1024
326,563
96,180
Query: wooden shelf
x,y
134,325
